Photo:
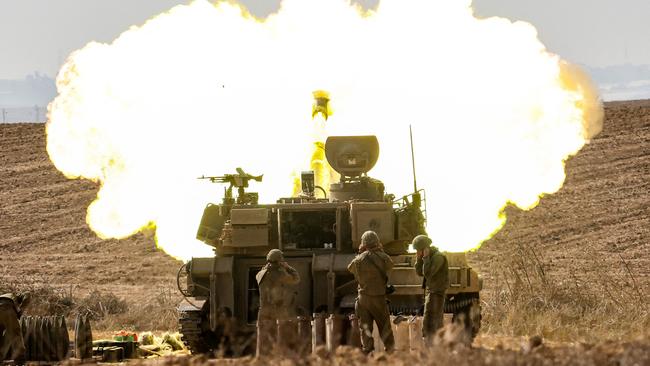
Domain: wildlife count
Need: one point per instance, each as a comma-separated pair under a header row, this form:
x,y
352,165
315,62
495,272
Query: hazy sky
x,y
37,35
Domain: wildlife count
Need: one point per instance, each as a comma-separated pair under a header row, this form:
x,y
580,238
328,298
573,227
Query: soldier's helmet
x,y
369,239
275,255
421,241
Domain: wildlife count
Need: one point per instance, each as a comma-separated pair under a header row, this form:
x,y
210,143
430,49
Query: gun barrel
x,y
239,180
218,179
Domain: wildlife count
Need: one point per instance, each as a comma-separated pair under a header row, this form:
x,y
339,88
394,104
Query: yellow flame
x,y
317,161
203,89
323,172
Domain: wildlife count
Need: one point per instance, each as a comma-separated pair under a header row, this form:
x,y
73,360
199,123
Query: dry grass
x,y
525,299
105,309
526,296
156,313
44,299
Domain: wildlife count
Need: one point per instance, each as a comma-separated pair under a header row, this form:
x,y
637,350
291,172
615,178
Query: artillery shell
x,y
24,327
33,346
416,342
89,338
304,335
38,338
318,331
80,338
266,334
52,339
354,335
334,332
65,339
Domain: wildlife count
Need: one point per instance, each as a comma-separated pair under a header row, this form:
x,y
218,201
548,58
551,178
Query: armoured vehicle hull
x,y
319,238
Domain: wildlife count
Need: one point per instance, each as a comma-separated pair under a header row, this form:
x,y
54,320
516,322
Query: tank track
x,y
458,305
191,331
453,307
470,308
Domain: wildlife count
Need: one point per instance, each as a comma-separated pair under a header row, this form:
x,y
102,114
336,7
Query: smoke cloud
x,y
205,88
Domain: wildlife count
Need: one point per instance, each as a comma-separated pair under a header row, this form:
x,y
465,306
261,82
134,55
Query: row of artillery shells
x,y
45,338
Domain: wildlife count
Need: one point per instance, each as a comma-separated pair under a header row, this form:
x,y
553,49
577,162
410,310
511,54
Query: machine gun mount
x,y
239,180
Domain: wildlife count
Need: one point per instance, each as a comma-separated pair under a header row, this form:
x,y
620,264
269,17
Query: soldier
x,y
276,281
12,340
370,268
432,265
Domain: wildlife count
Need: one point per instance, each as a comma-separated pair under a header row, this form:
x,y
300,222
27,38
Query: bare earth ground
x,y
45,240
574,269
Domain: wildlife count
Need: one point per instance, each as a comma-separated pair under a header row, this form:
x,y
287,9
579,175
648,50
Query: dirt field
x,y
46,243
576,268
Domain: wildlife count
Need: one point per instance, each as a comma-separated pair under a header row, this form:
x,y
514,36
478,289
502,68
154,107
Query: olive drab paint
x,y
319,236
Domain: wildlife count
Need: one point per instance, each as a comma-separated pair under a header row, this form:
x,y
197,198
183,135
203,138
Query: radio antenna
x,y
415,183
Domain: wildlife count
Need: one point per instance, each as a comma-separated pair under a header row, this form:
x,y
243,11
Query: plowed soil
x,y
44,236
597,225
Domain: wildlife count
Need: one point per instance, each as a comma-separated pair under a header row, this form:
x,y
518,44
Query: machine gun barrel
x,y
215,179
239,180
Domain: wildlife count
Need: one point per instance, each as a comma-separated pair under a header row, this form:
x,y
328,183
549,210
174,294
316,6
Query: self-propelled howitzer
x,y
319,236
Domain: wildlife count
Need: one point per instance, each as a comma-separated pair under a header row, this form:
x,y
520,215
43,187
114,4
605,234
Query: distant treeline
x,y
27,114
33,90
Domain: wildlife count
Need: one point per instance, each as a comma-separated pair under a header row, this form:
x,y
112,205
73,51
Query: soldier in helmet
x,y
432,265
370,268
11,343
276,281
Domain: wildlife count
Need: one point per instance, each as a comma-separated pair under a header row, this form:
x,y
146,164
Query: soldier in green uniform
x,y
11,342
277,295
432,265
276,281
370,268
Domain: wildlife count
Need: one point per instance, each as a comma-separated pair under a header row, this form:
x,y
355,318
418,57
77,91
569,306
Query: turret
x,y
352,157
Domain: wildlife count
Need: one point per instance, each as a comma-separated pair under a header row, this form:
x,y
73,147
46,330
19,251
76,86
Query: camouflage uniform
x,y
276,291
435,270
370,269
12,340
277,297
